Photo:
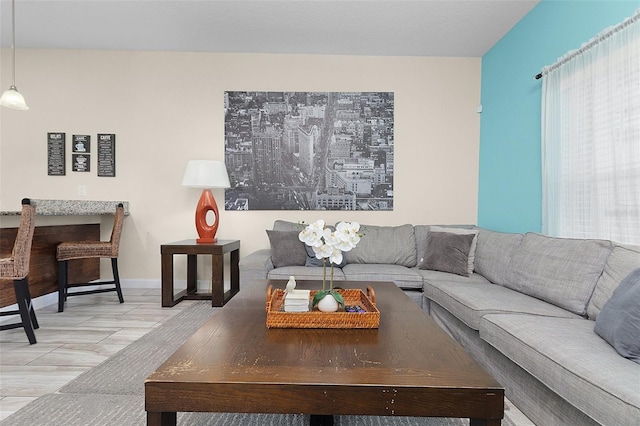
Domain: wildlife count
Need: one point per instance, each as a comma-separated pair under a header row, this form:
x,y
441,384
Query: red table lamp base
x,y
206,204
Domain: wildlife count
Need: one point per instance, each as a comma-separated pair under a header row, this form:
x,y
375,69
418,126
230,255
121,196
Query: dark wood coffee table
x,y
406,367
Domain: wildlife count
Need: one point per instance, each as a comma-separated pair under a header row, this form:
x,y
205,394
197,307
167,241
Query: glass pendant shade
x,y
11,98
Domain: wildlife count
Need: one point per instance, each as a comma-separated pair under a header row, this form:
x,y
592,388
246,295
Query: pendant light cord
x,y
13,40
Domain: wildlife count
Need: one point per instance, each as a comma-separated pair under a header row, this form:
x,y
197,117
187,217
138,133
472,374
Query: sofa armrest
x,y
255,266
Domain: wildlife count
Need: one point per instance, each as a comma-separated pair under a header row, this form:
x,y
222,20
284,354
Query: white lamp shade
x,y
11,98
206,174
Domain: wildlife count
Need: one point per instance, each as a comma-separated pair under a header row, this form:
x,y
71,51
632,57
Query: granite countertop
x,y
72,208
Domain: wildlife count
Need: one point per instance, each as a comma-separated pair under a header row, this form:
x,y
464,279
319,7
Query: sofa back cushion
x,y
493,253
562,271
283,225
623,259
394,245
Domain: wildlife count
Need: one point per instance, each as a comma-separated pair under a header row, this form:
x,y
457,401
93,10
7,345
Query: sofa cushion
x,y
304,273
283,225
472,251
493,253
562,271
392,245
469,300
447,252
619,320
569,358
286,248
622,260
432,276
405,278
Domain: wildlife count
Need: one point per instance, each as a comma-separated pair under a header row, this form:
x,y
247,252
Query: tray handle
x,y
269,297
371,294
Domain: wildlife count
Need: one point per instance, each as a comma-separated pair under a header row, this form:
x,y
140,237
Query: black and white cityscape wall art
x,y
309,150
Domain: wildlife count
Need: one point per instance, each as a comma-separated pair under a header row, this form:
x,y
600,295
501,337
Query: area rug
x,y
112,393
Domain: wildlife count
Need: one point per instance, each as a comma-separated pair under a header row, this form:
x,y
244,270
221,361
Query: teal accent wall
x,y
510,182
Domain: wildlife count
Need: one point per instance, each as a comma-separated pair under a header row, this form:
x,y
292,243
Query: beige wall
x,y
167,108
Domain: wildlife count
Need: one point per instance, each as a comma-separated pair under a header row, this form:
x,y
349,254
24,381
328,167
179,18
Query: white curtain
x,y
591,139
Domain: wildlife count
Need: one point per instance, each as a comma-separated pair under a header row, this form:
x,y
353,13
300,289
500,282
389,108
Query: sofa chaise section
x,y
569,358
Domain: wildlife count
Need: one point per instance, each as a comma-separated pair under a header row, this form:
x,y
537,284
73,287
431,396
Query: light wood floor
x,y
91,329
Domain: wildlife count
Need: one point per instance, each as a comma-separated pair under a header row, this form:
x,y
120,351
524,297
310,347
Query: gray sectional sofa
x,y
526,311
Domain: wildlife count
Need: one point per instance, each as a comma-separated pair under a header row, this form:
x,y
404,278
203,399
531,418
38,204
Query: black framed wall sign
x,y
81,143
81,162
55,154
106,154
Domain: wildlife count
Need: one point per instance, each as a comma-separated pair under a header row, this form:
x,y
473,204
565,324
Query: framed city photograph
x,y
309,150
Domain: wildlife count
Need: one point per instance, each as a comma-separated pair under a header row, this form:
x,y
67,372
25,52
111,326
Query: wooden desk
x,y
217,251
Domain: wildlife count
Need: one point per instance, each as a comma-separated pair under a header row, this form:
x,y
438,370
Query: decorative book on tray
x,y
296,301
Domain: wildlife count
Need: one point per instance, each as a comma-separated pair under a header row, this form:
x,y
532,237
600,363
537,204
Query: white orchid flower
x,y
312,234
323,251
349,236
328,243
336,256
330,237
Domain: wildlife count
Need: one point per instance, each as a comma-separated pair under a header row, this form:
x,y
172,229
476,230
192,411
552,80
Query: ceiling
x,y
467,28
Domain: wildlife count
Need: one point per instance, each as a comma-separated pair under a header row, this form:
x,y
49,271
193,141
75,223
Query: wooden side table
x,y
190,248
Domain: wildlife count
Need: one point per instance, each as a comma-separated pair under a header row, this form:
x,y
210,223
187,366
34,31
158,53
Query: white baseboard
x,y
139,283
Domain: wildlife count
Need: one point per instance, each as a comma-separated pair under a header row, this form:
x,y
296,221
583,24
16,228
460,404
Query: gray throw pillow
x,y
286,248
619,320
312,260
447,252
472,251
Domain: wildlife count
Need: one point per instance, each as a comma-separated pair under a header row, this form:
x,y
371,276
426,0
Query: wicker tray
x,y
316,319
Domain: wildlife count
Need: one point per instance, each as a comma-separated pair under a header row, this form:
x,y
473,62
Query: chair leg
x,y
32,312
62,284
20,287
116,278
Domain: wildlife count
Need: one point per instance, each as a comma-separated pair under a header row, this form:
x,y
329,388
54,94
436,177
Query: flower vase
x,y
328,304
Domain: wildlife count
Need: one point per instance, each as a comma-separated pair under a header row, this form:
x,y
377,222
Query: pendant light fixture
x,y
11,98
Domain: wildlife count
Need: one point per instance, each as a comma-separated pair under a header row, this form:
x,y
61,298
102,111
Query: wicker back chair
x,y
16,268
70,250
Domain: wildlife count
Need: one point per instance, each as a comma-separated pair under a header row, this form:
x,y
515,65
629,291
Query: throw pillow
x,y
286,248
312,260
462,231
448,252
619,320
